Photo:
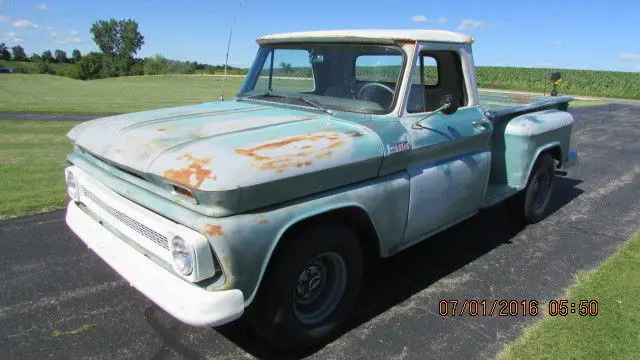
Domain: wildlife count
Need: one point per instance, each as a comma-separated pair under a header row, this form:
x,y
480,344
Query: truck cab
x,y
340,146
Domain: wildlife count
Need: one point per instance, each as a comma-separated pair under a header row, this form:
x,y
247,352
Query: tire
x,y
531,205
310,287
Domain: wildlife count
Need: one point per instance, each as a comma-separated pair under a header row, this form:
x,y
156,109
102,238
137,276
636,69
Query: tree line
x,y
17,53
118,42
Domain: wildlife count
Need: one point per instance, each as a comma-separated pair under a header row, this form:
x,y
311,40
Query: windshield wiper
x,y
264,94
300,98
267,94
315,105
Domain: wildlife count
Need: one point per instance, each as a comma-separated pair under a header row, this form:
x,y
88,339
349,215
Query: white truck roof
x,y
374,35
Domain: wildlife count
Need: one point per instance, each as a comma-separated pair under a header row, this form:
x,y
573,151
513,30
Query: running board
x,y
497,193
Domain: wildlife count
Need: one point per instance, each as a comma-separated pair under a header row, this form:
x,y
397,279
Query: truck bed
x,y
502,105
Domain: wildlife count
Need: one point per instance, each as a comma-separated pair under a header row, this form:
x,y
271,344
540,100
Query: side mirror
x,y
449,104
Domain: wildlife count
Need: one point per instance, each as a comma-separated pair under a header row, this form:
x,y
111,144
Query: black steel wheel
x,y
531,205
310,286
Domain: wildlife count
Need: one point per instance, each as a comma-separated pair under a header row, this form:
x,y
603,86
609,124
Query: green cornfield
x,y
614,84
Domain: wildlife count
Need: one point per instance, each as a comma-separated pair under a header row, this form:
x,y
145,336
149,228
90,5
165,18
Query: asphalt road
x,y
59,301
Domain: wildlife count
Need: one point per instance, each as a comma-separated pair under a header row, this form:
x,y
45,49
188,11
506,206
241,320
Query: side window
x,y
427,68
378,68
436,73
286,70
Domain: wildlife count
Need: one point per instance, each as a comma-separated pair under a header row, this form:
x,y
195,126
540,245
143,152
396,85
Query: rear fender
x,y
527,136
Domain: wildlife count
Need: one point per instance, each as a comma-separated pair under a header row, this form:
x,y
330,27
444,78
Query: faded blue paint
x,y
257,168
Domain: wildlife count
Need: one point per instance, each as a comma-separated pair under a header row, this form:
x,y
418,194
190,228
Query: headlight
x,y
72,186
181,254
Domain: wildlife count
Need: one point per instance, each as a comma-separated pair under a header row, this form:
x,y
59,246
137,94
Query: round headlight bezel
x,y
182,256
73,189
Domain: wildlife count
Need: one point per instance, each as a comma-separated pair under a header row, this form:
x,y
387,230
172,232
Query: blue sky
x,y
585,34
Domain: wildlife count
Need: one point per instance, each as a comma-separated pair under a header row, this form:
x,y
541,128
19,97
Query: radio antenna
x,y
226,61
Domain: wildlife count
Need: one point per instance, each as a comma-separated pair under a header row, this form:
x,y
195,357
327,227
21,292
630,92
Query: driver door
x,y
450,157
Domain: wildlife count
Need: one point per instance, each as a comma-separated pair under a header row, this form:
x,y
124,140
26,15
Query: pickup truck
x,y
339,148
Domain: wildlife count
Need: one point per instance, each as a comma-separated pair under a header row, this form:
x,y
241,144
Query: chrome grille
x,y
133,224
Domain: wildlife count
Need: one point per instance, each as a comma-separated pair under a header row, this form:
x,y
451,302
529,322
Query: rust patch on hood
x,y
354,133
293,152
162,129
262,222
194,174
213,230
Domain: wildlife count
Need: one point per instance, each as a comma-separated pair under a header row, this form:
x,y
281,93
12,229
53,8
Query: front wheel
x,y
531,205
309,288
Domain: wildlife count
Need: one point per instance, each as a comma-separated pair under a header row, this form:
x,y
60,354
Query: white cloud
x,y
74,32
630,57
545,65
419,18
65,40
557,43
12,37
42,7
24,24
68,40
442,20
50,28
470,24
4,18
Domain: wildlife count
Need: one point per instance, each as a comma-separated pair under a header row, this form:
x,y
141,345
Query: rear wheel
x,y
310,287
531,205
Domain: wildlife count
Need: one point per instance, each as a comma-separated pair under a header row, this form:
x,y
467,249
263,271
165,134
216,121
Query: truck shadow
x,y
391,281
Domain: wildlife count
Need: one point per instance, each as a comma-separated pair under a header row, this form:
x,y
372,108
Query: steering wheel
x,y
383,86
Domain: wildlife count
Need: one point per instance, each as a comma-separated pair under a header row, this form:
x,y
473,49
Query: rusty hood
x,y
233,145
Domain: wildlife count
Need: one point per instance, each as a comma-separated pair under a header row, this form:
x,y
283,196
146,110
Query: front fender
x,y
245,243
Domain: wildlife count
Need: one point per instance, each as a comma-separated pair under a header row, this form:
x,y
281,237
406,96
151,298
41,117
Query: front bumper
x,y
183,300
571,160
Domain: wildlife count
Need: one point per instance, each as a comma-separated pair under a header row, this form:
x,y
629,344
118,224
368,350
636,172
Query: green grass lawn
x,y
613,334
46,93
32,157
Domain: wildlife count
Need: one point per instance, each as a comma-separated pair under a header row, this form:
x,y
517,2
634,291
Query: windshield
x,y
346,77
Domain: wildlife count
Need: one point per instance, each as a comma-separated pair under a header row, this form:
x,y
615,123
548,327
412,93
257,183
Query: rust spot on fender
x,y
193,175
213,230
262,222
354,133
286,154
162,129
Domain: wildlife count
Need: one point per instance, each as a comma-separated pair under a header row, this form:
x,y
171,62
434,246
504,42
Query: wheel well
x,y
353,217
556,154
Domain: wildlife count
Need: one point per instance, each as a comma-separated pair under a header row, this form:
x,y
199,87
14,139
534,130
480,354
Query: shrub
x,y
44,67
70,72
137,68
89,67
156,65
19,69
